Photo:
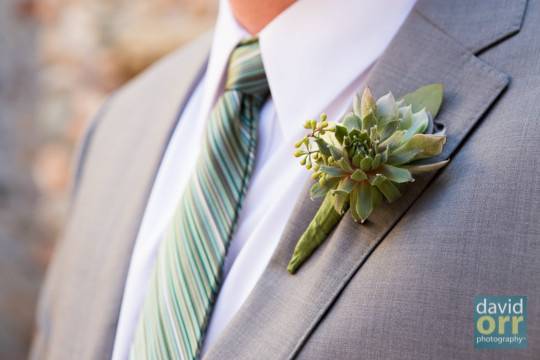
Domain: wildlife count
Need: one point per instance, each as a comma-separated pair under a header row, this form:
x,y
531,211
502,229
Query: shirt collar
x,y
312,51
227,34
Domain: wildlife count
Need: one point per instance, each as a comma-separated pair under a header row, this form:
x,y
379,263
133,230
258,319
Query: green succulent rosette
x,y
366,158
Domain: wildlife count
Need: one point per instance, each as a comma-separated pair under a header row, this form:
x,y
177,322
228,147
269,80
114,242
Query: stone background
x,y
59,59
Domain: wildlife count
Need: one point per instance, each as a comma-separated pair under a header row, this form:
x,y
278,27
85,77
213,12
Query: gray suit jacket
x,y
401,286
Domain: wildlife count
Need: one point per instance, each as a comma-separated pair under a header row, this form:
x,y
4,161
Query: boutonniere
x,y
366,158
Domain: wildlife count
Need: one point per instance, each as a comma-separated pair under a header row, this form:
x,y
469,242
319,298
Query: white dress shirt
x,y
316,56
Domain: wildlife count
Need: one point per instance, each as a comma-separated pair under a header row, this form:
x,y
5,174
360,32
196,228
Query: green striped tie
x,y
189,264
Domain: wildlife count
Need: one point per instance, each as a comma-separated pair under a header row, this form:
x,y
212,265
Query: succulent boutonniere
x,y
365,158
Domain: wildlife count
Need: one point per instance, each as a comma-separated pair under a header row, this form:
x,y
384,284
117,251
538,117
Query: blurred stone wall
x,y
59,59
19,267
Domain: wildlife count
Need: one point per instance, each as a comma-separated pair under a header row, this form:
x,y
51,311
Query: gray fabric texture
x,y
80,302
399,287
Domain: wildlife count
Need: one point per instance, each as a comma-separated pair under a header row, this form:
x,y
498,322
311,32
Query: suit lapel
x,y
283,310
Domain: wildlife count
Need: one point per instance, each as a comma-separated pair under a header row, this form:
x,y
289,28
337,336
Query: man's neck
x,y
255,15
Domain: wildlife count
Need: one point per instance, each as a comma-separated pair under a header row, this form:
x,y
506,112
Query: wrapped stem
x,y
324,221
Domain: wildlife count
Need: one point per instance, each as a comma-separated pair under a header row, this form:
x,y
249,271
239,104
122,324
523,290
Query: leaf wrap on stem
x,y
322,224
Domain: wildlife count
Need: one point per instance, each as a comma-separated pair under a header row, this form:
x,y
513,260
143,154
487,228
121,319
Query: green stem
x,y
324,221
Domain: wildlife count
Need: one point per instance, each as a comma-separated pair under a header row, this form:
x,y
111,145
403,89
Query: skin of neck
x,y
254,15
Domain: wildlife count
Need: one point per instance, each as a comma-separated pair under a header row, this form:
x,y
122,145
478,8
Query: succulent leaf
x,y
317,191
323,147
335,152
365,164
393,141
427,145
402,156
341,132
377,160
397,174
368,105
344,164
357,105
346,185
425,168
332,171
352,121
340,201
387,107
389,129
359,175
427,97
357,158
419,124
405,116
386,187
369,121
364,201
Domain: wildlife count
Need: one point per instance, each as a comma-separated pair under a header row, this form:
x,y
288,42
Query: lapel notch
x,y
481,23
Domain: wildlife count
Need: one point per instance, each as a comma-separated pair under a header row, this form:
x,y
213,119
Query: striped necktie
x,y
188,269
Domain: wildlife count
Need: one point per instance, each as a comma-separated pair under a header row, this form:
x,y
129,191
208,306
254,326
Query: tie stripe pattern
x,y
189,263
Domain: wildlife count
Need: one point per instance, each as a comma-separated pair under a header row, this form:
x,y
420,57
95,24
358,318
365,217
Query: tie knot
x,y
246,70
